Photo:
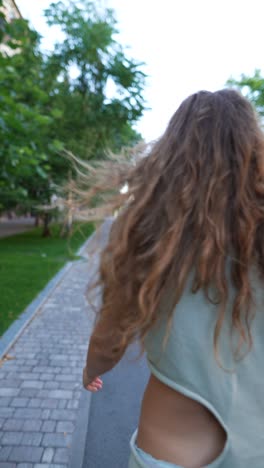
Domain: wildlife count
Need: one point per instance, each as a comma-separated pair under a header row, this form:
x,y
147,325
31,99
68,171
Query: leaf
x,y
41,172
5,358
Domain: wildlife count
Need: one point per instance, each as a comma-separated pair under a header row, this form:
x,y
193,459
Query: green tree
x,y
61,100
25,123
252,87
82,68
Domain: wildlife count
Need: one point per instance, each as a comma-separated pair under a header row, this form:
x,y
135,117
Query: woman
x,y
183,273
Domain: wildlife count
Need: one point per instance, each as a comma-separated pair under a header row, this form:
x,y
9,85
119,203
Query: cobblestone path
x,y
40,386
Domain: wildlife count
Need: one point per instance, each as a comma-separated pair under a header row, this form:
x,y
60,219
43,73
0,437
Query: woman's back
x,y
206,412
176,428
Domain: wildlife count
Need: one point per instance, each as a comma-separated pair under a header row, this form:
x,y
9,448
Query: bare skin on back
x,y
177,429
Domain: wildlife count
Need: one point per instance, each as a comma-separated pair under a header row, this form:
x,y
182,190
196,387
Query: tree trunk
x,y
46,230
37,220
67,225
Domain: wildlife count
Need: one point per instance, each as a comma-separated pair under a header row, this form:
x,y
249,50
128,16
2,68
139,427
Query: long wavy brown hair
x,y
194,199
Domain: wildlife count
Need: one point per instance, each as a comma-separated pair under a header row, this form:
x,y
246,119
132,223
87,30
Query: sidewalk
x,y
10,227
41,386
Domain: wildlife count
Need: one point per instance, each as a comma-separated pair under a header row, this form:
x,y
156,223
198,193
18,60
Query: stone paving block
x,y
29,375
11,374
73,359
77,395
34,403
14,370
63,415
49,465
60,364
32,384
8,392
47,377
13,424
56,440
42,369
61,455
67,394
48,455
48,426
70,385
11,438
77,372
32,438
27,413
26,454
4,453
43,362
62,404
4,401
50,403
65,378
6,412
19,402
28,392
32,425
46,414
32,362
62,358
25,465
73,404
51,385
43,393
10,383
28,355
7,465
65,426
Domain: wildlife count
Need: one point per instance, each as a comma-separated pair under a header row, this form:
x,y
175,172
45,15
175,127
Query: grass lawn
x,y
28,261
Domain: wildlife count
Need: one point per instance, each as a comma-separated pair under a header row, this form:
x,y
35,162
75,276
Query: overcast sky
x,y
187,45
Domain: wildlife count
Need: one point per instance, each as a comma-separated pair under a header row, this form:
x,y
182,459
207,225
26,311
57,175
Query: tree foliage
x,y
61,99
252,87
84,66
25,121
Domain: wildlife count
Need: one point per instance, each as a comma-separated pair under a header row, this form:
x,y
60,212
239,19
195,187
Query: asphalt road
x,y
114,413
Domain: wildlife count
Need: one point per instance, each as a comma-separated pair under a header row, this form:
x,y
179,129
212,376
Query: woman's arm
x,y
100,356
